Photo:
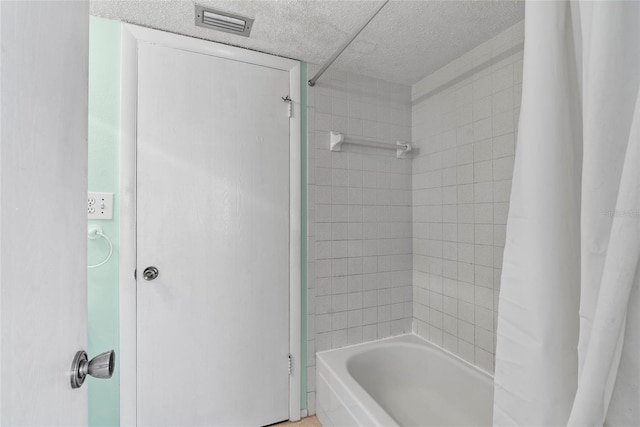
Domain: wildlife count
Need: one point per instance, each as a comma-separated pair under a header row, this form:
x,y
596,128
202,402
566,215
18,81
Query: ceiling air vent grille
x,y
223,21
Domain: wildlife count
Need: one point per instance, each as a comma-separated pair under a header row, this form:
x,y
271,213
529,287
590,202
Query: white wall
x,y
359,217
43,184
464,122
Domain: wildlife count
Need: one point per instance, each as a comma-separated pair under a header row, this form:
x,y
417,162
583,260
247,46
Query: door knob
x,y
100,366
150,273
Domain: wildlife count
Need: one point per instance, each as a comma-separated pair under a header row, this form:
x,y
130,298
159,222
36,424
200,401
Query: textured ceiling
x,y
405,42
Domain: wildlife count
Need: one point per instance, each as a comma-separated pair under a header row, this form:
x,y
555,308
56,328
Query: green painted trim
x,y
104,175
303,234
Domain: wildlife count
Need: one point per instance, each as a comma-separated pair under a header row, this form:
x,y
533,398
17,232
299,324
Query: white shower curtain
x,y
568,337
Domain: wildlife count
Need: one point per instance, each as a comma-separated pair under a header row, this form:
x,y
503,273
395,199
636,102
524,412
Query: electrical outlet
x,y
100,205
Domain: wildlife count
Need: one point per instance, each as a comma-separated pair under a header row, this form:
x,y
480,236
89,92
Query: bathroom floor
x,y
304,422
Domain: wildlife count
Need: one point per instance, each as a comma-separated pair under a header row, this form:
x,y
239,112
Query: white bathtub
x,y
400,381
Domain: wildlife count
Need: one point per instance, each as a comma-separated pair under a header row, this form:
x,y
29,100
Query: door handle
x,y
100,366
150,273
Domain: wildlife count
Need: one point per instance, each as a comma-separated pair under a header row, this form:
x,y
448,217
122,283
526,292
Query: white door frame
x,y
131,36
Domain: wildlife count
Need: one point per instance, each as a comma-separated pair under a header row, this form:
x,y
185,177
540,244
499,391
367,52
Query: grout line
x,y
507,53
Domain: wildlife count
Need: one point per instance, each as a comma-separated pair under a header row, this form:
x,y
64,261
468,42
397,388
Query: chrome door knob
x,y
150,273
100,366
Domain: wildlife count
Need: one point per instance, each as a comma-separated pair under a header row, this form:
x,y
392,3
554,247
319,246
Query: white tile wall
x,y
359,216
465,128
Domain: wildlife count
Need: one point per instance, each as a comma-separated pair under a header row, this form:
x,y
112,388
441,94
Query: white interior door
x,y
213,217
43,211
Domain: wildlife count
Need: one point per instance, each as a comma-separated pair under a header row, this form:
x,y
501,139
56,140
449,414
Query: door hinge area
x,y
289,102
290,363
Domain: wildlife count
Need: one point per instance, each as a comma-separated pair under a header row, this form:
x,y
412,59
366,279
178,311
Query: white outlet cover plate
x,y
100,205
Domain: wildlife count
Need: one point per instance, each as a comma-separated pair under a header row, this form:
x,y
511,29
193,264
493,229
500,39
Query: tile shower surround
x,y
464,122
395,244
359,216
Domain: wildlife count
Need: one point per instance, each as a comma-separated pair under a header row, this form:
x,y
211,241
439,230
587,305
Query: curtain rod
x,y
314,79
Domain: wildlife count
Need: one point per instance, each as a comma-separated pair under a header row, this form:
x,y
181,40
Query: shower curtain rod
x,y
314,79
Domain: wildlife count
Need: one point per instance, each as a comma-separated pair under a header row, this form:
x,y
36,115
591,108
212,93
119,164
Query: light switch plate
x,y
100,205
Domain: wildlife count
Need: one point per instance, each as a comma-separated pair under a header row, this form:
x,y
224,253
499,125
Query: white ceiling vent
x,y
223,21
